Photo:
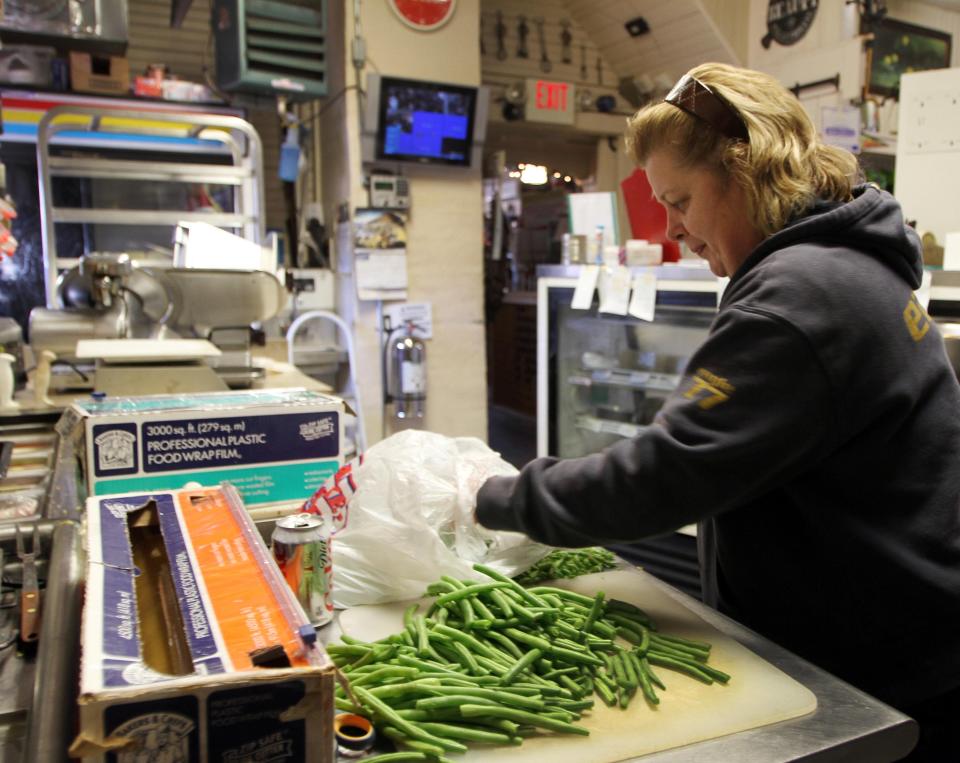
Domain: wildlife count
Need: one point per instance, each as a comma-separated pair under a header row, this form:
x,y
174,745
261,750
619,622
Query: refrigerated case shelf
x,y
608,426
624,377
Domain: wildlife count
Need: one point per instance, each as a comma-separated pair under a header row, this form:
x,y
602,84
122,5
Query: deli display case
x,y
602,377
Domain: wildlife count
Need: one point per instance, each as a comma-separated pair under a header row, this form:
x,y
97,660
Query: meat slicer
x,y
109,296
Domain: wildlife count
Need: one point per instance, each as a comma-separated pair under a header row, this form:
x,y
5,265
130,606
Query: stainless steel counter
x,y
847,725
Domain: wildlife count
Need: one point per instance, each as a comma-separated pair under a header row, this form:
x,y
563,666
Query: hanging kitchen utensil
x,y
483,47
501,30
583,62
522,31
545,65
599,70
566,40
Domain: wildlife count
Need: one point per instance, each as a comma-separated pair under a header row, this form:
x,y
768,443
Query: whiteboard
x,y
927,170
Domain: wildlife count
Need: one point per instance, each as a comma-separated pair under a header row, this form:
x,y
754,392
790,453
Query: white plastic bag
x,y
410,519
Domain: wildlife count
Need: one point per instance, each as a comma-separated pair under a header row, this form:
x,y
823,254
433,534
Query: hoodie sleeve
x,y
753,410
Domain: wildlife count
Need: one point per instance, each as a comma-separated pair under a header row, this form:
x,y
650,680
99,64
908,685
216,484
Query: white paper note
x,y
951,251
923,293
586,286
614,289
644,299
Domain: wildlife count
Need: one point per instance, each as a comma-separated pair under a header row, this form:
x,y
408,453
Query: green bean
x,y
560,672
571,685
464,638
679,665
506,643
466,611
451,700
671,647
608,697
645,686
578,657
519,666
467,733
502,602
389,715
654,678
392,732
483,611
522,716
563,593
630,610
473,590
512,584
679,654
495,667
714,673
595,610
629,671
503,696
528,638
701,645
466,658
426,666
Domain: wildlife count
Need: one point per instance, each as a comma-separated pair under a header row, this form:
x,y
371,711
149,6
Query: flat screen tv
x,y
424,122
899,47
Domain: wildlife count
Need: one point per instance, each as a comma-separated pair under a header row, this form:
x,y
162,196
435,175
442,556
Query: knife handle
x,y
29,616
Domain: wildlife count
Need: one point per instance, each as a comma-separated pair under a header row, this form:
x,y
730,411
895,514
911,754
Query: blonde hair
x,y
783,169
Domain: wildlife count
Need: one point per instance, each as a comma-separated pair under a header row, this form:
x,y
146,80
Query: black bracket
x,y
834,80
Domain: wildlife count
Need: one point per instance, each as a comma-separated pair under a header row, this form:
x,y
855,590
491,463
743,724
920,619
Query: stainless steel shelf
x,y
146,217
116,169
608,426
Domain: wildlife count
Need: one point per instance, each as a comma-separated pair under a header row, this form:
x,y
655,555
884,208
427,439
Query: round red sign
x,y
424,15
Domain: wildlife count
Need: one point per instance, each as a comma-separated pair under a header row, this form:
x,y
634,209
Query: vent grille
x,y
282,48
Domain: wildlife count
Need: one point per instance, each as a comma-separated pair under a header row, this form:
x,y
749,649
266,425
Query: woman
x,y
815,433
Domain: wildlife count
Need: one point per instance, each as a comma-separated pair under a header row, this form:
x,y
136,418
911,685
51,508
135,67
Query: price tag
x,y
614,290
644,299
586,286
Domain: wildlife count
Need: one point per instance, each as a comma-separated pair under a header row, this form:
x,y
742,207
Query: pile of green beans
x,y
568,563
493,662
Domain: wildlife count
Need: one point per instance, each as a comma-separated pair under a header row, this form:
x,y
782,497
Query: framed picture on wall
x,y
899,47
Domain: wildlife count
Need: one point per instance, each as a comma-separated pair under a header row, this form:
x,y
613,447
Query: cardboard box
x,y
181,595
277,447
90,73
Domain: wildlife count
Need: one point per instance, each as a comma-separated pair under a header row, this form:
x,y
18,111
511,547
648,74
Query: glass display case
x,y
603,377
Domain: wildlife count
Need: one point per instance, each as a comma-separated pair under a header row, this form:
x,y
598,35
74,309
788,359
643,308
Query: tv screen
x,y
425,122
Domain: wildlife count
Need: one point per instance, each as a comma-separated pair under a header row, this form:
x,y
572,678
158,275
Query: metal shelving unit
x,y
208,136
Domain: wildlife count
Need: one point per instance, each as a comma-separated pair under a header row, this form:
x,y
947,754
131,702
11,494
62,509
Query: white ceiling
x,y
681,35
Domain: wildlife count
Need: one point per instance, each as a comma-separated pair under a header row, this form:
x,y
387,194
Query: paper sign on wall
x,y
380,254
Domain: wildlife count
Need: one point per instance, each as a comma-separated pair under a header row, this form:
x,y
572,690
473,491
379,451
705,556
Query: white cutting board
x,y
689,711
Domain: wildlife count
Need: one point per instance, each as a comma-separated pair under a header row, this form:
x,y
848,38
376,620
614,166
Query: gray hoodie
x,y
816,435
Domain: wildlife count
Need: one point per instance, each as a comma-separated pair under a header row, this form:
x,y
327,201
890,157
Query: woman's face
x,y
704,211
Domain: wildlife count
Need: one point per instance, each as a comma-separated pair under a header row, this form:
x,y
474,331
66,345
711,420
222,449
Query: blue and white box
x,y
276,447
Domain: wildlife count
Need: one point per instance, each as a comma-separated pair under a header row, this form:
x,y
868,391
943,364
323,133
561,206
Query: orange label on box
x,y
244,605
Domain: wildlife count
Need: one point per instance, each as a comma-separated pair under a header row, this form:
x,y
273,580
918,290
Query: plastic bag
x,y
402,516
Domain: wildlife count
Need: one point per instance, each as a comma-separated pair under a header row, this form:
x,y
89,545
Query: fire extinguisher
x,y
406,365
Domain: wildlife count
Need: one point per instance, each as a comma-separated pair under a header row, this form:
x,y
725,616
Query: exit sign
x,y
550,101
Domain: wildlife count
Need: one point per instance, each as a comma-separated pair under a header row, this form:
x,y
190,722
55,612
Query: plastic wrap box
x,y
181,598
277,447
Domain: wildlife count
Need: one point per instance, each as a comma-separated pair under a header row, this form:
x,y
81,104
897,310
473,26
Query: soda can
x,y
301,549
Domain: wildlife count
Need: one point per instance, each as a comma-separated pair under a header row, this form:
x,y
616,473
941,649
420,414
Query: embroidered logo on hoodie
x,y
916,318
708,389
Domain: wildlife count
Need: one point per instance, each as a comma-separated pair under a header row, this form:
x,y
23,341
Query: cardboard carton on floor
x,y
184,615
277,447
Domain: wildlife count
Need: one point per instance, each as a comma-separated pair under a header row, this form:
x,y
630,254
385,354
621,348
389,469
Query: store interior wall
x,y
188,52
444,231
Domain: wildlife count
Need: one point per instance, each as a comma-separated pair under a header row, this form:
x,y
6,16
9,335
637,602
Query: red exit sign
x,y
549,101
